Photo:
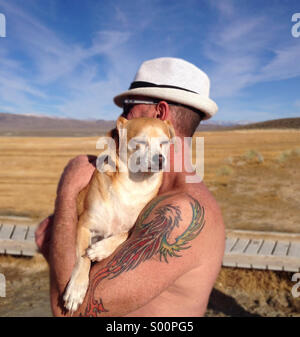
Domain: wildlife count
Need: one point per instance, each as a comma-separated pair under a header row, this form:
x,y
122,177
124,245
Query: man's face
x,y
139,110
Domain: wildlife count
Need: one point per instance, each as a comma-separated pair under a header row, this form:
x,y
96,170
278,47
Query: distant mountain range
x,y
38,125
283,123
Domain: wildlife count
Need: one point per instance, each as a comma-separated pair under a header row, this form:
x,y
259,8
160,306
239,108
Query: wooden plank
x,y
279,251
18,247
262,262
1,249
241,233
252,250
6,231
267,247
253,247
240,246
17,240
13,249
231,264
19,233
30,234
229,244
294,249
30,250
17,236
258,265
281,248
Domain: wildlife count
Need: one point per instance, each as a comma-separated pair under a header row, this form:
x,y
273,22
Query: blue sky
x,y
69,58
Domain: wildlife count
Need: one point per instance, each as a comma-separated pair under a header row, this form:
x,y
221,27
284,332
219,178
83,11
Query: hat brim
x,y
196,101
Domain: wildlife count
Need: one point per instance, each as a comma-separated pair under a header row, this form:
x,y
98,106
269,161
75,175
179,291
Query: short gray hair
x,y
185,120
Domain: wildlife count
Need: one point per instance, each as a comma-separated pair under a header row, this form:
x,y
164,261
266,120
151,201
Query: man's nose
x,y
158,160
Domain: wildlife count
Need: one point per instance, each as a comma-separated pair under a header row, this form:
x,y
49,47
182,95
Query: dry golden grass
x,y
30,170
253,174
255,177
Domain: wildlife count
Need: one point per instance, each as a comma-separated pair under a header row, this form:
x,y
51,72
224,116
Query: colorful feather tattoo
x,y
151,238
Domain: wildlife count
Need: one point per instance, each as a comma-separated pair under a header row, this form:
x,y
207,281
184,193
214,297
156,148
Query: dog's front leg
x,y
104,248
79,281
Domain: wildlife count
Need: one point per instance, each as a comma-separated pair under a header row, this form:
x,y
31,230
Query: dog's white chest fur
x,y
121,211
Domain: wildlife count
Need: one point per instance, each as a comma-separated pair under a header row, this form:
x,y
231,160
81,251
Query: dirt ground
x,y
254,176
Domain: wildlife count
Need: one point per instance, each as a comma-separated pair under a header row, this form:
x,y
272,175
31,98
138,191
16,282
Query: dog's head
x,y
147,142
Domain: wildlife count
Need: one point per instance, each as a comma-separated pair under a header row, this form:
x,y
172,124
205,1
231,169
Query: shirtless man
x,y
169,263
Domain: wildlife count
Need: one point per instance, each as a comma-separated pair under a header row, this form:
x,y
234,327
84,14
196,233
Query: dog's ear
x,y
170,129
114,134
121,122
121,127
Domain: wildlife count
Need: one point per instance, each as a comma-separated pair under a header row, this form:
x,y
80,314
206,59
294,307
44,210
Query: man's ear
x,y
170,129
162,110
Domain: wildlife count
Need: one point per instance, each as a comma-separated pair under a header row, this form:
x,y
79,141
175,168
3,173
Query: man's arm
x,y
62,255
163,246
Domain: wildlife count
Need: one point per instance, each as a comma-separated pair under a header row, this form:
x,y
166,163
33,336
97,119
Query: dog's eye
x,y
140,142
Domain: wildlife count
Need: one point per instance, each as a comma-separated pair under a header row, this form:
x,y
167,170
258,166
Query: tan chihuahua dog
x,y
109,206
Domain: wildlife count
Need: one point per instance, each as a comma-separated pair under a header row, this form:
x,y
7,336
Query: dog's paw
x,y
97,252
75,293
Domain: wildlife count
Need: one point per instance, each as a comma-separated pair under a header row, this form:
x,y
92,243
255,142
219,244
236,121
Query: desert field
x,y
253,174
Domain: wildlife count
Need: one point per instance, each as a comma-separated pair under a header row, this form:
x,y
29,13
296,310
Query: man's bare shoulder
x,y
202,196
192,217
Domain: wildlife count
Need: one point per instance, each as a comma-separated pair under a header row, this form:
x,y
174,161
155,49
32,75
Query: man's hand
x,y
43,236
75,177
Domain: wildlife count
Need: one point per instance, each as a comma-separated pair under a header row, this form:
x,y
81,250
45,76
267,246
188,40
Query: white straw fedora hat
x,y
174,80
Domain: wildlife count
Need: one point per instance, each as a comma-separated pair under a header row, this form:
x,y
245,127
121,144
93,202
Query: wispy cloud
x,y
86,90
284,65
247,49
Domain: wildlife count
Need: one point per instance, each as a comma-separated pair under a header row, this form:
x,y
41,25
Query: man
x,y
169,263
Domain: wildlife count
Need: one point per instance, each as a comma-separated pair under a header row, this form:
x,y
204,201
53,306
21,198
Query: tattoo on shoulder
x,y
152,237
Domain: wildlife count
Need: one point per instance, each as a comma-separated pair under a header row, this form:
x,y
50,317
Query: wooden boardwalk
x,y
262,250
244,249
17,240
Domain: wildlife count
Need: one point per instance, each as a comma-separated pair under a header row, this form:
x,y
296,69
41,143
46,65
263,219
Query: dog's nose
x,y
158,160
